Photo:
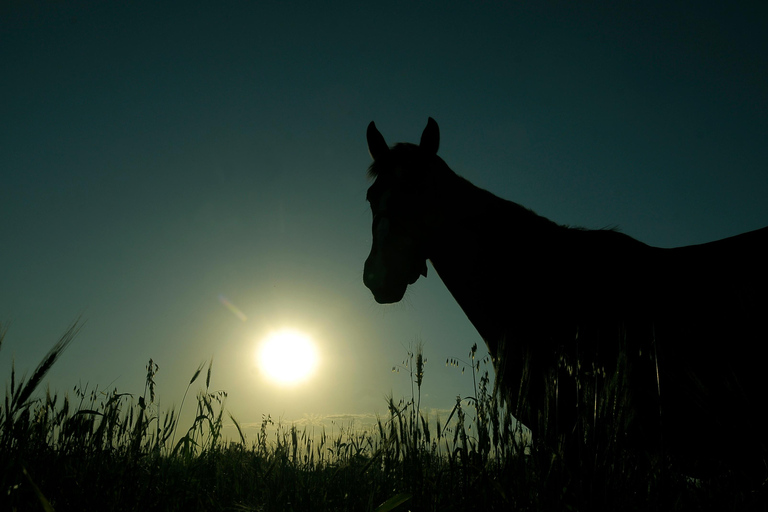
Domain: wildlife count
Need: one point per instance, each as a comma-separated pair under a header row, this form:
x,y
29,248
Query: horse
x,y
558,306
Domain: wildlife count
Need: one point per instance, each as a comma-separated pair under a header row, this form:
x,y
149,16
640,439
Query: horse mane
x,y
396,153
403,151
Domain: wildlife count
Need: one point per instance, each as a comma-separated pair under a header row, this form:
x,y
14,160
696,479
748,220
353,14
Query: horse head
x,y
399,200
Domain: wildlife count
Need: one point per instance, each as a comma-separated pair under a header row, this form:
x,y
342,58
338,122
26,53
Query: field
x,y
114,451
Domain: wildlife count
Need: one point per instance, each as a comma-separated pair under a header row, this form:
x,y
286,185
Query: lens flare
x,y
234,309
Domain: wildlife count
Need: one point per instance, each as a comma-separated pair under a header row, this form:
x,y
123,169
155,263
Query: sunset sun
x,y
287,356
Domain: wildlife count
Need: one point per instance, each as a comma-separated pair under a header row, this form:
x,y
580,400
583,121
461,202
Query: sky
x,y
159,160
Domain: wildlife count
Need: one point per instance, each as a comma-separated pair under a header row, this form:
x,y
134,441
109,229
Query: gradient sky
x,y
154,158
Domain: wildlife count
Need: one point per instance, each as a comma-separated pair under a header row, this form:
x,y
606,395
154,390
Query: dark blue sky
x,y
154,158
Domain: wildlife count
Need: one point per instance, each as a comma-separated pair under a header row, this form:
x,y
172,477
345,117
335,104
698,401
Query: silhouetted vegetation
x,y
112,451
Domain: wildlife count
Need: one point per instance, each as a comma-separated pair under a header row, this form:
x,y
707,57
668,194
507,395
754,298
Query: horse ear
x,y
377,146
430,139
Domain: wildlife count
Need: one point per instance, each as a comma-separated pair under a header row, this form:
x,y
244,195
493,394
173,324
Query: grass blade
x,y
393,502
26,390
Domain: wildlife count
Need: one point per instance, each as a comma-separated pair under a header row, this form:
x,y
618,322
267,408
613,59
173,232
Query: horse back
x,y
712,344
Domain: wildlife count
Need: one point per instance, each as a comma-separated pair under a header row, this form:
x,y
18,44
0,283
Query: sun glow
x,y
288,357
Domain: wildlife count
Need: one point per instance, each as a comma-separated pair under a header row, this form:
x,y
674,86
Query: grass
x,y
113,451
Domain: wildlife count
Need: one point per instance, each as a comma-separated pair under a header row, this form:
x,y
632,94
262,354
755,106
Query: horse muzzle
x,y
387,286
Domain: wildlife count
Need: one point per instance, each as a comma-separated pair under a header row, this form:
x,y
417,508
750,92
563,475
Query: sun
x,y
287,356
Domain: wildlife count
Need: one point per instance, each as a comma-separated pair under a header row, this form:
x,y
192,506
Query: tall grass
x,y
113,451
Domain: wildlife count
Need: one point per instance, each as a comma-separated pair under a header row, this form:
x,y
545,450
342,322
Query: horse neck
x,y
481,246
473,225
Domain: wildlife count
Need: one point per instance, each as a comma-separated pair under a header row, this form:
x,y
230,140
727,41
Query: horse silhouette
x,y
559,306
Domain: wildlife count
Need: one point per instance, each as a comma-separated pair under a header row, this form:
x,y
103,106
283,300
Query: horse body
x,y
689,319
